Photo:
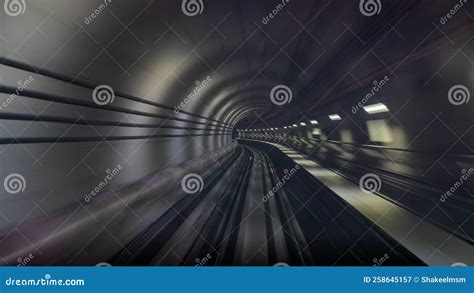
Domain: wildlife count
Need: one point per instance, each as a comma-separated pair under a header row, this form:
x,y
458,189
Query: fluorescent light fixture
x,y
271,128
376,108
294,125
317,131
285,127
334,117
303,124
314,122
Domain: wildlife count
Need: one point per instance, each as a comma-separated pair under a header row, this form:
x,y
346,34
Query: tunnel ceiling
x,y
325,52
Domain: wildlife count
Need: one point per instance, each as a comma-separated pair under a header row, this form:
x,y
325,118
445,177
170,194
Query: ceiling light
x,y
376,108
334,117
303,124
294,125
314,122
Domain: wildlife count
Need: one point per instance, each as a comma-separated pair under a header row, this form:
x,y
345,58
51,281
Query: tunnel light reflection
x,y
335,117
379,131
317,131
376,108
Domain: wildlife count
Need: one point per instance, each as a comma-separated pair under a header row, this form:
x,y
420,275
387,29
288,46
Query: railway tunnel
x,y
236,133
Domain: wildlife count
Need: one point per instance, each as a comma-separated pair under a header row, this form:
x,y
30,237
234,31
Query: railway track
x,y
260,208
